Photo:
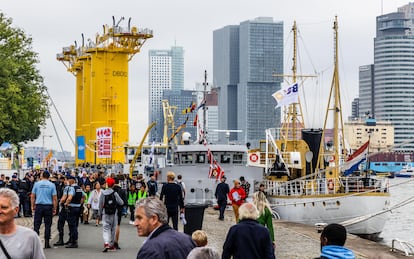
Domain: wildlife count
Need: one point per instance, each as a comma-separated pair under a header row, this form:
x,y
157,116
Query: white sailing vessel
x,y
307,179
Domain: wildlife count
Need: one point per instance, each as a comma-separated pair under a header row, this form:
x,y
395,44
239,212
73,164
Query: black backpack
x,y
110,204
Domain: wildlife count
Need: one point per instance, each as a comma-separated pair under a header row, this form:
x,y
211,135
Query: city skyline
x,y
53,28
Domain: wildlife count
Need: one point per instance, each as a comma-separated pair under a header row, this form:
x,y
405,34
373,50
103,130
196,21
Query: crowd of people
x,y
106,199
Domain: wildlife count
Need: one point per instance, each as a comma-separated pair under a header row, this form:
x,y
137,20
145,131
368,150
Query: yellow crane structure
x,y
169,113
101,71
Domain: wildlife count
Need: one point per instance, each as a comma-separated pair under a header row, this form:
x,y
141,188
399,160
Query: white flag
x,y
287,95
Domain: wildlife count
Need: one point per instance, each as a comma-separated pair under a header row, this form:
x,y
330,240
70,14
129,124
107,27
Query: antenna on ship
x,y
204,128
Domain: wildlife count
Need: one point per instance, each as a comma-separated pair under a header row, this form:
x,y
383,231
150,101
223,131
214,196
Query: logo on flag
x,y
287,95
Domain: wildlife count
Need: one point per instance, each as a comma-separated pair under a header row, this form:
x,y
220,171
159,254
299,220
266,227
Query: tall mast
x,y
336,108
293,119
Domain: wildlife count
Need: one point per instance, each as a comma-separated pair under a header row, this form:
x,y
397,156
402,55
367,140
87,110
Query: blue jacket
x,y
336,252
248,239
166,243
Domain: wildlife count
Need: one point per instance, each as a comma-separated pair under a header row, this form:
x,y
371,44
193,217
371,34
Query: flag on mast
x,y
356,159
287,95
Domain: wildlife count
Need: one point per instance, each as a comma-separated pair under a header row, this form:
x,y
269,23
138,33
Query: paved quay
x,y
293,240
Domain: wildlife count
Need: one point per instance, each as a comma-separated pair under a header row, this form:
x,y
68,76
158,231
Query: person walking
x,y
222,190
44,203
85,207
132,199
63,215
93,202
16,241
73,206
108,204
246,187
151,220
172,196
237,197
265,213
25,187
152,186
120,209
248,239
181,184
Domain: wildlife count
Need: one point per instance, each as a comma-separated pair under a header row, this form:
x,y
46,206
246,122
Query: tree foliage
x,y
23,96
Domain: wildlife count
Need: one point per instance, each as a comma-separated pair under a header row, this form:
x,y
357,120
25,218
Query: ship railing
x,y
320,186
406,247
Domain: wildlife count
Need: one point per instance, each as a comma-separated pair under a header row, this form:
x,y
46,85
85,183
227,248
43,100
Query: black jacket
x,y
248,239
222,190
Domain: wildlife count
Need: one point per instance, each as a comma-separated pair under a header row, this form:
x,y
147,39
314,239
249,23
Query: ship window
x,y
200,158
397,164
237,158
186,158
225,158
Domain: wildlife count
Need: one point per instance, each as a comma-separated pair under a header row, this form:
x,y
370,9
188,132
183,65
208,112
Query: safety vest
x,y
142,195
132,198
88,194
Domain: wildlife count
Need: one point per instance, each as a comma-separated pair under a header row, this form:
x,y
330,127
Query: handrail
x,y
407,247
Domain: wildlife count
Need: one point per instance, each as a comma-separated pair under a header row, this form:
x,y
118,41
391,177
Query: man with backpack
x,y
108,205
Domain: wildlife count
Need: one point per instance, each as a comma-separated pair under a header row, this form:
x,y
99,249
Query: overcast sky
x,y
54,24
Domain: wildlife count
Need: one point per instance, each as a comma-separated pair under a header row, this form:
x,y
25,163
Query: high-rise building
x,y
245,57
166,72
394,73
355,109
366,92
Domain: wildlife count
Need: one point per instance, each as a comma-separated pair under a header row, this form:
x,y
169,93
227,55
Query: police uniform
x,y
73,209
23,190
63,215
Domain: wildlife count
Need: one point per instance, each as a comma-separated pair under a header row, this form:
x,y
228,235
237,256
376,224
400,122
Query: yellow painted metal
x,y
101,70
139,148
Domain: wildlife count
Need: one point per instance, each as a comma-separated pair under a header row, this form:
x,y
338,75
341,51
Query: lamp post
x,y
43,146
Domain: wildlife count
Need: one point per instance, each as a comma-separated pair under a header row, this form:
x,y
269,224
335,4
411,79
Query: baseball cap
x,y
110,181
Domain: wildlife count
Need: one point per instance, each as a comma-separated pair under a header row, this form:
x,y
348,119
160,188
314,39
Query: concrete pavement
x,y
293,240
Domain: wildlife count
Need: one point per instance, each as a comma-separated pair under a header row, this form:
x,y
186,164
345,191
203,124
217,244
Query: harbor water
x,y
399,224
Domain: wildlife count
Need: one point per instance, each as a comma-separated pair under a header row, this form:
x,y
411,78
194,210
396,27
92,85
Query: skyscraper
x,y
394,73
166,72
366,91
245,57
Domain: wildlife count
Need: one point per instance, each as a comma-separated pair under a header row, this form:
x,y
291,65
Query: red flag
x,y
195,120
219,171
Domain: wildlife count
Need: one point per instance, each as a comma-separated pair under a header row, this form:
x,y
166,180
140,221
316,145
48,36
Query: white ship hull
x,y
337,208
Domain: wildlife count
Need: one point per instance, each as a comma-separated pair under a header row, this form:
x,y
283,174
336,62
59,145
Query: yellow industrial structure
x,y
101,71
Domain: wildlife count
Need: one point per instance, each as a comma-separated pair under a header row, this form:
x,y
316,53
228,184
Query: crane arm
x,y
138,151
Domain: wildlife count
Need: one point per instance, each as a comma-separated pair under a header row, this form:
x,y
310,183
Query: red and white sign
x,y
254,159
104,142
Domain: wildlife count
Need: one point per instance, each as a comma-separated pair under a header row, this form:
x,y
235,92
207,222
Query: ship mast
x,y
293,118
204,128
336,154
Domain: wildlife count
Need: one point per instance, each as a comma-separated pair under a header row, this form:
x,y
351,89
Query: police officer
x,y
25,186
62,213
73,207
44,203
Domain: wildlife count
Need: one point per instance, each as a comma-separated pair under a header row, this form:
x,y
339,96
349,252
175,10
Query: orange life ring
x,y
254,157
330,184
331,159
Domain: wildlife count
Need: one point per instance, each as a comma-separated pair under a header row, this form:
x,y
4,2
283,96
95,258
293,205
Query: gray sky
x,y
54,24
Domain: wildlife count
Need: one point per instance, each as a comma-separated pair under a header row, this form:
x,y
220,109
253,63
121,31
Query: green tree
x,y
23,96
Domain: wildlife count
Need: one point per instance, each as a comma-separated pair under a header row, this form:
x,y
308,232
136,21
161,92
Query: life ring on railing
x,y
253,157
330,184
331,159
